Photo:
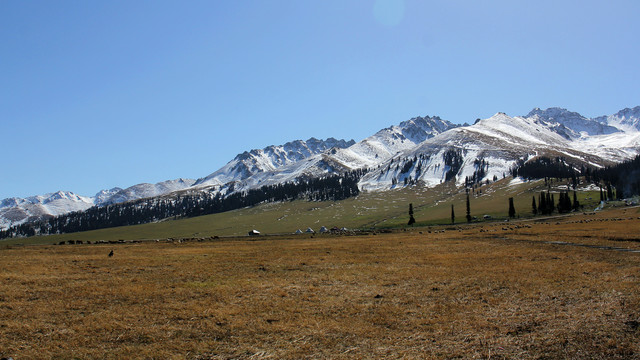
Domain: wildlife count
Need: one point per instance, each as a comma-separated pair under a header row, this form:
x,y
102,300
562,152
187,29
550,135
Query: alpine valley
x,y
422,151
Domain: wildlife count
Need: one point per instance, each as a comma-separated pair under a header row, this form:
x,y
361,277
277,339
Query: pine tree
x,y
564,202
512,209
453,215
411,219
468,209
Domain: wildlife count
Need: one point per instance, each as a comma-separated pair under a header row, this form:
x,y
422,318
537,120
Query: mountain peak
x,y
270,158
627,119
554,113
419,128
568,123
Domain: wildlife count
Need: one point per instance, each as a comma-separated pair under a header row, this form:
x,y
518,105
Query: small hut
x,y
323,230
310,231
298,232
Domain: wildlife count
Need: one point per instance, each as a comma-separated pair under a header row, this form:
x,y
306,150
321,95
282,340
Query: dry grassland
x,y
501,291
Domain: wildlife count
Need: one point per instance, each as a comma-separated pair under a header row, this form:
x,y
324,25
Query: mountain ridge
x,y
499,140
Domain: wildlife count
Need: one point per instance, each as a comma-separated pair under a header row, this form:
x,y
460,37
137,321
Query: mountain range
x,y
423,150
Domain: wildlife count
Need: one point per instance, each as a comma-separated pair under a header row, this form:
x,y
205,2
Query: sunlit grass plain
x,y
531,288
518,290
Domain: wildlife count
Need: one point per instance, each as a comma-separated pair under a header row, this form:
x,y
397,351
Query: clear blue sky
x,y
97,94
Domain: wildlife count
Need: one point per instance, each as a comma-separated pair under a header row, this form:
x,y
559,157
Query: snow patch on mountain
x,y
491,147
248,172
627,119
15,211
141,191
269,159
570,125
103,196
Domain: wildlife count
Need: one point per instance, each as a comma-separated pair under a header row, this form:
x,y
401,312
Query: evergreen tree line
x,y
620,181
544,167
480,171
333,187
453,159
406,166
546,203
624,177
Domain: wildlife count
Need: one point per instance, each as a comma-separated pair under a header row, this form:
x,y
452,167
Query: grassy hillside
x,y
388,209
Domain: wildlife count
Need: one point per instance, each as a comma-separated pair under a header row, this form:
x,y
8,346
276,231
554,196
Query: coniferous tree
x,y
453,215
411,219
468,209
564,202
560,206
548,204
512,209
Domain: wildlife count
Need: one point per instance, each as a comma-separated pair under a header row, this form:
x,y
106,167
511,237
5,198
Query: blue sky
x,y
98,94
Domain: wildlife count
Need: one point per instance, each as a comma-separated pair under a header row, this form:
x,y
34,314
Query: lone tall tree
x,y
468,208
453,215
512,209
411,219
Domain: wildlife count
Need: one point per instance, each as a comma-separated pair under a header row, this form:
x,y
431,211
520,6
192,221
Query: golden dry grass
x,y
478,292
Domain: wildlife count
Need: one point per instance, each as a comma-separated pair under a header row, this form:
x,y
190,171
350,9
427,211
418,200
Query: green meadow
x,y
367,211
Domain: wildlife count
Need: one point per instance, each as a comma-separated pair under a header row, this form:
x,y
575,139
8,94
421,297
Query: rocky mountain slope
x,y
257,161
367,153
491,147
18,210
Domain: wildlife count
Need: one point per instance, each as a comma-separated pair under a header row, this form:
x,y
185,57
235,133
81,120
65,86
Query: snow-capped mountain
x,y
145,190
268,159
389,141
367,153
491,147
422,150
14,211
570,125
103,196
626,120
